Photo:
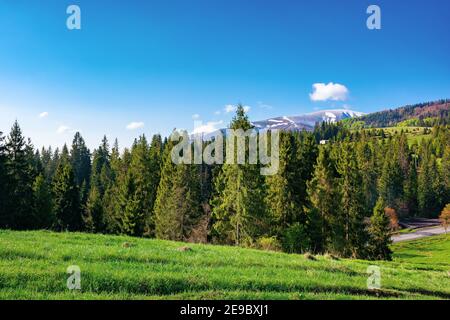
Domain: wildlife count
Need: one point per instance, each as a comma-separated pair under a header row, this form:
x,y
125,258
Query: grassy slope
x,y
33,265
414,134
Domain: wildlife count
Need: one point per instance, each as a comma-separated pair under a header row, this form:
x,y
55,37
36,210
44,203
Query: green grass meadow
x,y
33,266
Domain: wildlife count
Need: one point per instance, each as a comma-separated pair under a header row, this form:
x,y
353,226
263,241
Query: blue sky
x,y
157,63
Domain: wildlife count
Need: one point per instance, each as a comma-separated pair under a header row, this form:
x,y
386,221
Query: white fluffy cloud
x,y
135,125
330,91
232,108
195,116
63,129
229,108
209,127
43,114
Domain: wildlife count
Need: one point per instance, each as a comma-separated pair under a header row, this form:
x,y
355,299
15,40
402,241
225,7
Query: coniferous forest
x,y
343,197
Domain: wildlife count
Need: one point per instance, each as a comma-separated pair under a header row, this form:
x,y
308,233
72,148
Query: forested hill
x,y
422,114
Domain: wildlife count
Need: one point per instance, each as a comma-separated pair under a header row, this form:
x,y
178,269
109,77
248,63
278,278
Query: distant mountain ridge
x,y
306,121
421,114
293,123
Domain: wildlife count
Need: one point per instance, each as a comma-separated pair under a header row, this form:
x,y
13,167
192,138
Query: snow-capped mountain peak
x,y
306,121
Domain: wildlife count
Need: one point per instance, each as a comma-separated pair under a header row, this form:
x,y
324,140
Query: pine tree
x,y
178,202
42,204
352,202
238,205
155,162
101,169
411,190
111,203
324,210
445,174
368,167
135,191
21,174
429,188
66,197
280,198
80,158
4,184
391,184
94,218
379,231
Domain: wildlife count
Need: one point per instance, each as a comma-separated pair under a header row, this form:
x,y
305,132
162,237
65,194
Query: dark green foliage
x,y
324,212
4,184
21,174
178,206
352,203
43,217
320,200
66,198
238,205
80,158
379,231
295,239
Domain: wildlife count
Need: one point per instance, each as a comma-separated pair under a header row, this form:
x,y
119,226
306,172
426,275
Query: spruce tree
x,y
81,162
110,203
379,231
178,202
367,165
20,169
445,173
325,209
411,190
429,189
101,169
135,191
155,162
94,218
66,197
280,197
391,184
4,184
42,203
238,205
352,202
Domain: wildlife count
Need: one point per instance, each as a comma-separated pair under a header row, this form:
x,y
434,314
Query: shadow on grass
x,y
425,292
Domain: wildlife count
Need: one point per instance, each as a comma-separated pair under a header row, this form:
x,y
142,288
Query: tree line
x,y
342,197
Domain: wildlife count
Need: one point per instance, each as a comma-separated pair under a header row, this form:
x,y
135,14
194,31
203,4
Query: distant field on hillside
x,y
33,266
414,134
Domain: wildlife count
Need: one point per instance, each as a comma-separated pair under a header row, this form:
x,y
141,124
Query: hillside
x,y
33,266
422,114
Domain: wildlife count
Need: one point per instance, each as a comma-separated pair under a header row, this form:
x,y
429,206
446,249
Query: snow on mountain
x,y
297,123
306,121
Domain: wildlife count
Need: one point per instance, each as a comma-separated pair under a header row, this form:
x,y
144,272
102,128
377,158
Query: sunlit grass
x,y
33,266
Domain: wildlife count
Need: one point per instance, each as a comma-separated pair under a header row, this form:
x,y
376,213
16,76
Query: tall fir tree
x,y
20,169
379,231
100,182
445,173
66,197
42,203
154,163
353,202
137,206
238,205
80,158
324,212
391,183
4,184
